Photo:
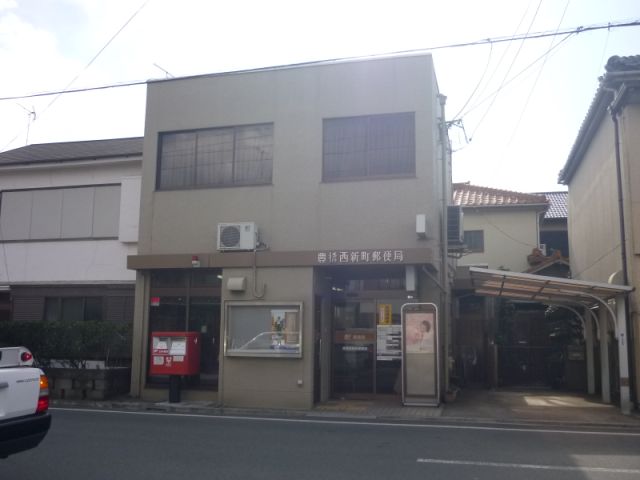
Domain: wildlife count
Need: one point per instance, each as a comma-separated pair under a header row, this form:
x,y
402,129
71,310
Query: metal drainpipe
x,y
444,240
623,250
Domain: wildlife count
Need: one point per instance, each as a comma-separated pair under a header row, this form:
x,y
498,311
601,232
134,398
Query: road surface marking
x,y
528,466
347,422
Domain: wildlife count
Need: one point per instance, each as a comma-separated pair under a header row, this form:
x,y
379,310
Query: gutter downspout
x,y
444,240
613,110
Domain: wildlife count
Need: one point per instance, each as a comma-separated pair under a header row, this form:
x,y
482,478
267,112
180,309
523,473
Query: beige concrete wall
x,y
510,234
298,211
271,382
630,153
594,231
594,228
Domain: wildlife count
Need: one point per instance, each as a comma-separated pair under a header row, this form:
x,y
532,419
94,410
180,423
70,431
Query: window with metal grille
x,y
216,157
368,146
474,240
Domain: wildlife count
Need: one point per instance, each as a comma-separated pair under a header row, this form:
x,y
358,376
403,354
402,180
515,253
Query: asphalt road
x,y
92,444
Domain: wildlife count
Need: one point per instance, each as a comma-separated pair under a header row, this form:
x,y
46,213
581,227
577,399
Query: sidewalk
x,y
540,408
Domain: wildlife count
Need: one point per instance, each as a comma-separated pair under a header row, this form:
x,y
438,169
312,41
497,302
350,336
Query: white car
x,y
24,402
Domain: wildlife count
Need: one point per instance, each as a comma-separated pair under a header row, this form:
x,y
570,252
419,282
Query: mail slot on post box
x,y
175,353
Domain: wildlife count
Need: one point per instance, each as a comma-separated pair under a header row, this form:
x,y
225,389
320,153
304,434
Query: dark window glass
x,y
72,309
474,240
52,309
369,146
216,157
93,308
206,278
168,278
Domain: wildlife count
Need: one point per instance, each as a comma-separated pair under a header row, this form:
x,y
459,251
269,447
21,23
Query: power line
x,y
530,36
95,57
504,78
535,82
517,75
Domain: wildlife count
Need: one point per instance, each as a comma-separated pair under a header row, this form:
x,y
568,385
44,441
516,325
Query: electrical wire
x,y
504,53
59,93
604,51
533,36
456,116
535,82
505,233
504,78
95,57
522,72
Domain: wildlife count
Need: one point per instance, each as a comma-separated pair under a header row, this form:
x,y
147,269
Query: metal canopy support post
x,y
588,340
604,356
587,330
623,352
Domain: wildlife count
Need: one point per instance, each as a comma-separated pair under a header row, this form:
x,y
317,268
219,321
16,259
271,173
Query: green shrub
x,y
71,342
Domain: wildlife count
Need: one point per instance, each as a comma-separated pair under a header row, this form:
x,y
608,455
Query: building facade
x,y
501,227
603,174
502,342
287,214
68,220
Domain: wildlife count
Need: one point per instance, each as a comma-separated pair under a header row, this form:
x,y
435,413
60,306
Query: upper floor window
x,y
474,240
60,213
368,146
216,157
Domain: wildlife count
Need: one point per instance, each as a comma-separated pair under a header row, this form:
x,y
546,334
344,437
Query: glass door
x,y
354,338
367,348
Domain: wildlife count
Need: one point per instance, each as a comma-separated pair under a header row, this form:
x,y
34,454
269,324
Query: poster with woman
x,y
419,334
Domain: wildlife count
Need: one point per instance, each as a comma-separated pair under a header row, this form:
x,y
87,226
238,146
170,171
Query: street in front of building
x,y
108,444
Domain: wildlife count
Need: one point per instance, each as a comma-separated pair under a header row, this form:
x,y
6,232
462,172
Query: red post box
x,y
175,353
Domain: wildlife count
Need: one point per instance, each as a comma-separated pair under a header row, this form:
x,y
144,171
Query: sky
x,y
515,106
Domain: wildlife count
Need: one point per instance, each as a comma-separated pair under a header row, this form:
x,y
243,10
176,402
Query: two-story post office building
x,y
287,215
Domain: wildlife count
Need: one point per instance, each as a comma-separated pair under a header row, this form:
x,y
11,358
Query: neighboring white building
x,y
68,219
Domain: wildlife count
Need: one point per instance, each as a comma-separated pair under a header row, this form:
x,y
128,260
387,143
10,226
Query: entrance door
x,y
366,352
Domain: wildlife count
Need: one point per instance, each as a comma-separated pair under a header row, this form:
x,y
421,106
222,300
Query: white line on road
x,y
528,466
347,422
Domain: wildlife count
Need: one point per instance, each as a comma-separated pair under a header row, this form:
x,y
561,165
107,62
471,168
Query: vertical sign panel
x,y
420,364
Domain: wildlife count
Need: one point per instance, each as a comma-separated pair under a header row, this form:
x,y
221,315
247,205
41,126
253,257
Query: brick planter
x,y
92,384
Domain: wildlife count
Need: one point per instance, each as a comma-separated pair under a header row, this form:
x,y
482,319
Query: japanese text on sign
x,y
360,256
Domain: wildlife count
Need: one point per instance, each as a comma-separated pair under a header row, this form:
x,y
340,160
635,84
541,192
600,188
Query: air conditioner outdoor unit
x,y
237,236
455,229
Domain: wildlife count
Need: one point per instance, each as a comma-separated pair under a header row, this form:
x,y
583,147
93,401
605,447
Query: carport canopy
x,y
568,292
543,289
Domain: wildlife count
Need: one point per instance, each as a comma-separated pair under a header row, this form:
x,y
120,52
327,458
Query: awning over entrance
x,y
539,288
581,298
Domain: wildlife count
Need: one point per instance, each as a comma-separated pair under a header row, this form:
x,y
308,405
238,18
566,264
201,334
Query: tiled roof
x,y
618,70
557,204
623,64
71,151
467,195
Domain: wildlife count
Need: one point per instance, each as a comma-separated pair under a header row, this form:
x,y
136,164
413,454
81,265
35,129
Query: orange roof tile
x,y
467,195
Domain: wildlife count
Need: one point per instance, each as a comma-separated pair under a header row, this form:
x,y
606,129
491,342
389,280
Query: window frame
x,y
368,159
470,246
296,353
193,183
57,303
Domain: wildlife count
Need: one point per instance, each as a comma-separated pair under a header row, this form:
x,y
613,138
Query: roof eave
x,y
595,114
598,109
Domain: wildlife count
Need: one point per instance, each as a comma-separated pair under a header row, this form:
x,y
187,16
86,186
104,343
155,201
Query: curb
x,y
214,410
